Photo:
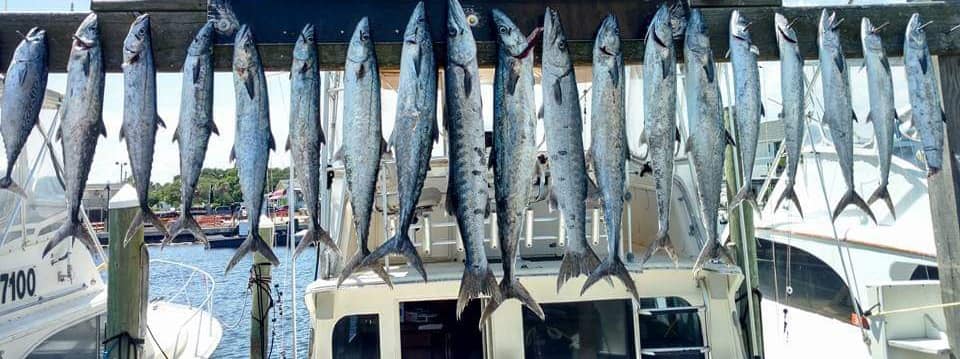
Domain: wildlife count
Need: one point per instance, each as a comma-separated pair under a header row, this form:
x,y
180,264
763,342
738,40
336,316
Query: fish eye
x,y
504,30
562,45
364,36
452,31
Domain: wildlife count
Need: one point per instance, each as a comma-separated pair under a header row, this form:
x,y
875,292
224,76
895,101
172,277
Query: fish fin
x,y
122,136
688,146
883,193
304,67
665,66
316,235
399,244
146,214
384,148
233,154
513,289
103,127
75,230
160,122
575,264
763,111
662,242
196,70
477,281
86,66
646,168
213,127
863,66
557,92
354,265
493,157
467,82
186,224
271,143
924,63
869,117
679,139
286,147
943,116
853,115
361,70
253,243
841,64
59,135
884,62
176,134
851,197
711,252
513,77
791,194
748,194
435,130
729,138
7,183
709,69
612,266
540,112
248,84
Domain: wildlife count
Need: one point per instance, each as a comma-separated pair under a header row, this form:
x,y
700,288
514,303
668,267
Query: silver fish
x,y
514,155
564,132
306,136
194,127
363,141
792,97
23,92
414,133
467,188
837,107
608,147
140,118
253,140
82,116
748,107
883,113
660,132
927,114
708,138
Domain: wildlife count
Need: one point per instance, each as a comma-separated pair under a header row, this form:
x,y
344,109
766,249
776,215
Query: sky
x,y
110,150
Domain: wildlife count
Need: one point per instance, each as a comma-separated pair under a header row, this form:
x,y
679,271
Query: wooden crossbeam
x,y
173,31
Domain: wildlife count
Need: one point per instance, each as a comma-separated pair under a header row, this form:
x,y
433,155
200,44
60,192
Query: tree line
x,y
218,187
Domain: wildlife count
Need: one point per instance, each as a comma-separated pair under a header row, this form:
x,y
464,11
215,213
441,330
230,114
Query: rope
x,y
262,283
911,309
119,338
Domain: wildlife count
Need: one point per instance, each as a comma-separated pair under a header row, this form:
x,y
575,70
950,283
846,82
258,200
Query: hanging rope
x,y
261,283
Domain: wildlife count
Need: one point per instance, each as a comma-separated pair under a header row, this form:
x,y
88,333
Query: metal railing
x,y
197,279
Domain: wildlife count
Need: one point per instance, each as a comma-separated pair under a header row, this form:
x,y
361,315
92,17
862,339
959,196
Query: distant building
x,y
768,143
96,197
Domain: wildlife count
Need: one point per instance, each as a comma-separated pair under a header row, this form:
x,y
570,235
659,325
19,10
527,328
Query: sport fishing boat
x,y
680,314
55,306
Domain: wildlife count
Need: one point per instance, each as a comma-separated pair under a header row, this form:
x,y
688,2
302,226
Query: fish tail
x,y
399,244
356,263
746,194
512,288
71,229
316,235
711,252
477,281
255,244
574,264
135,225
789,193
661,243
882,193
146,214
851,197
7,183
186,224
612,266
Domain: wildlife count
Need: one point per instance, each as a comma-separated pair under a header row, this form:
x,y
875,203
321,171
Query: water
x,y
231,304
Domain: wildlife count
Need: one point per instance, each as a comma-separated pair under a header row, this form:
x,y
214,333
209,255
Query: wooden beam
x,y
173,31
148,5
944,192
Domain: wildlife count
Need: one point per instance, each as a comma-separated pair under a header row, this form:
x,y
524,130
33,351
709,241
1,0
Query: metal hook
x,y
790,25
921,27
878,28
22,36
837,24
952,29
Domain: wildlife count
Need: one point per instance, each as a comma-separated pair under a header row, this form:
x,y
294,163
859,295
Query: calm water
x,y
231,304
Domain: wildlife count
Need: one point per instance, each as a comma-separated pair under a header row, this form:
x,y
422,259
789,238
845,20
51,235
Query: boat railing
x,y
197,281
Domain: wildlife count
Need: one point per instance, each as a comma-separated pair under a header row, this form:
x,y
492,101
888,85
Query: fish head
x,y
361,43
33,46
916,35
244,51
697,38
870,37
608,38
305,47
739,27
461,47
417,34
88,34
554,41
509,37
785,31
829,36
202,43
137,40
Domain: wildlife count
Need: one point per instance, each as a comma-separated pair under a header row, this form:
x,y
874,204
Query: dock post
x,y
261,299
128,281
944,193
742,234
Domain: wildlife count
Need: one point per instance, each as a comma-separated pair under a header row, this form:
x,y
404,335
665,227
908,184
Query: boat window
x,y
803,281
923,272
670,327
357,337
597,329
82,340
430,329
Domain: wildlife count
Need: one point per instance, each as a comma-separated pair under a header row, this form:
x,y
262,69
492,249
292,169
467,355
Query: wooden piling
x,y
128,281
261,300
